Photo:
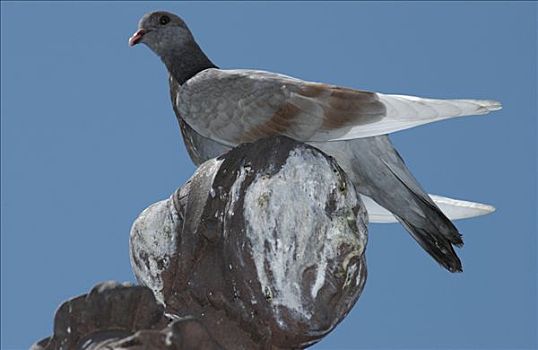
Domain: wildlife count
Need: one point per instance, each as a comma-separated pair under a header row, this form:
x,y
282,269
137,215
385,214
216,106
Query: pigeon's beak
x,y
136,37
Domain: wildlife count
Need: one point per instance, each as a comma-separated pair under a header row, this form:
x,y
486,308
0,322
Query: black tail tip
x,y
453,266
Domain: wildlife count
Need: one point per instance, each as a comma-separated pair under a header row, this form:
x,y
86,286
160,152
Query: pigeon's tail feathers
x,y
437,246
379,172
454,209
432,230
436,223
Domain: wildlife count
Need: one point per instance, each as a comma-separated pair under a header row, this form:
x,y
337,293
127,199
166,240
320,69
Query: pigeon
x,y
218,109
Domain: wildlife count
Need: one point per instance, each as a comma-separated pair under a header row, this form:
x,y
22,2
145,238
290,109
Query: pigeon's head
x,y
168,36
162,31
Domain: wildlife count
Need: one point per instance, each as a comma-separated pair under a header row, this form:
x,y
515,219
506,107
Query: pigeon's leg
x,y
379,172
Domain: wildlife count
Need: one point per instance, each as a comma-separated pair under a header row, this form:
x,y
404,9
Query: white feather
x,y
454,209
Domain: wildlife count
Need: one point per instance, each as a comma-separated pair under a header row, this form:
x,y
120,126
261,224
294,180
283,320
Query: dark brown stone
x,y
214,269
262,248
110,311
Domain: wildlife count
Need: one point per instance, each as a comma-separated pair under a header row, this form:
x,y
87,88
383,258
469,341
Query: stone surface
x,y
269,246
263,248
115,316
111,311
154,251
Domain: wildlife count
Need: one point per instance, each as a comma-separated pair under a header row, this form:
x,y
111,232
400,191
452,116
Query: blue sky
x,y
89,140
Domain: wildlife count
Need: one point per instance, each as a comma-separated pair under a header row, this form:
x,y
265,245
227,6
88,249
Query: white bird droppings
x,y
153,242
289,229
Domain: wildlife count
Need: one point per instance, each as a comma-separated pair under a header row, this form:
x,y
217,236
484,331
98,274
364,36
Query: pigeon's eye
x,y
164,20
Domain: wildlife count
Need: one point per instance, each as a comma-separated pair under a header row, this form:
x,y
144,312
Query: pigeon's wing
x,y
454,209
236,106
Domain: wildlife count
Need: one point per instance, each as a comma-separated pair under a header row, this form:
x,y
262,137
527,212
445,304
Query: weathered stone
x,y
179,335
111,311
263,248
267,246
